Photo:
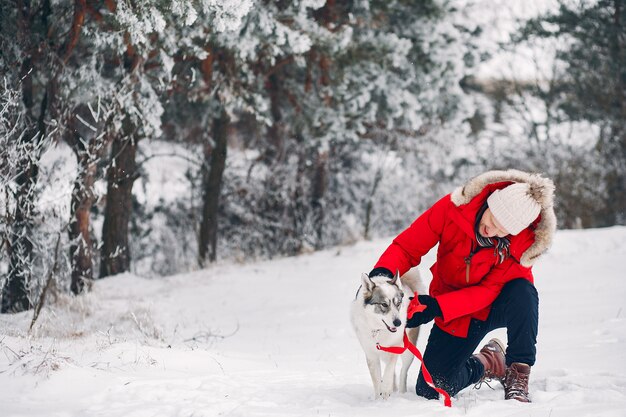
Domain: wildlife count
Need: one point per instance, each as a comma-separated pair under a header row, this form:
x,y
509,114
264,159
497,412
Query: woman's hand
x,y
431,311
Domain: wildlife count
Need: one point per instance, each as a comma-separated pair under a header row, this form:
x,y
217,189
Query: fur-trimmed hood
x,y
541,189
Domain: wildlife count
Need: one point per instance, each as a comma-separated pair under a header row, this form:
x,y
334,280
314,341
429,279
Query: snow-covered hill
x,y
273,338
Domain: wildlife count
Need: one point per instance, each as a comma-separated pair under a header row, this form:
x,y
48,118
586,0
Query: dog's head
x,y
384,302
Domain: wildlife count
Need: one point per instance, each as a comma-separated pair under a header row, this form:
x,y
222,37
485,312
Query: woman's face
x,y
489,226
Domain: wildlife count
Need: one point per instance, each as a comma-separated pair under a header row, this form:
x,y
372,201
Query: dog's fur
x,y
378,316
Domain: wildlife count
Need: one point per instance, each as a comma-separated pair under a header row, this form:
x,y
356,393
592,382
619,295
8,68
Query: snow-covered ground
x,y
273,339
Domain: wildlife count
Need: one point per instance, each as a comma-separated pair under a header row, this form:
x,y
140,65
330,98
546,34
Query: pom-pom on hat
x,y
514,207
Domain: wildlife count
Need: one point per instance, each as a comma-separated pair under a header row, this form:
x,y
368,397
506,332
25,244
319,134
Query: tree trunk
x,y
15,294
319,185
369,206
215,162
275,151
37,72
115,254
615,148
81,255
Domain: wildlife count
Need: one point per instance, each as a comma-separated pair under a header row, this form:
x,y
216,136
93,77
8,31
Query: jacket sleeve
x,y
474,298
408,247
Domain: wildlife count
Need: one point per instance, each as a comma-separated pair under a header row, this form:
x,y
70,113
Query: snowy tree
x,y
86,74
563,115
34,52
328,112
590,86
370,76
152,39
227,74
388,81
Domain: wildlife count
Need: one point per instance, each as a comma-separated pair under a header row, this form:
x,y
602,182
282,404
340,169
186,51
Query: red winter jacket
x,y
464,286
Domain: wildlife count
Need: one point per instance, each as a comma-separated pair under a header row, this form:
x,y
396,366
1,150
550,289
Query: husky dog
x,y
378,316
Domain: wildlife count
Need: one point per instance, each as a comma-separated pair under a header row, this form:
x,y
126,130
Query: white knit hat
x,y
514,207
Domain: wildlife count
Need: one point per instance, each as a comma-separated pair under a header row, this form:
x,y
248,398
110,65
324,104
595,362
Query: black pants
x,y
449,358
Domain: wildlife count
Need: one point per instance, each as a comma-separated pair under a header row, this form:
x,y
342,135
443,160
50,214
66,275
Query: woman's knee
x,y
520,290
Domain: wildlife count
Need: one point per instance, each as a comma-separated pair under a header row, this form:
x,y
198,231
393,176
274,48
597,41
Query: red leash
x,y
416,306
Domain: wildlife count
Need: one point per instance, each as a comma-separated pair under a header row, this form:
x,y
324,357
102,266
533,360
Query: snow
x,y
273,338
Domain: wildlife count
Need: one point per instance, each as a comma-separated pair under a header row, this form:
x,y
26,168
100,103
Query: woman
x,y
490,233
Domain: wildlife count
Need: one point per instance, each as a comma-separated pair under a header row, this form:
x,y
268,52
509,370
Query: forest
x,y
162,136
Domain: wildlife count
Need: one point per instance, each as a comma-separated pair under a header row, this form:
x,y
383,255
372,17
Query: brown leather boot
x,y
516,382
492,357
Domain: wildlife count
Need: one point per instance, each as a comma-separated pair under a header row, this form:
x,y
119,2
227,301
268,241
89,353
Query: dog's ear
x,y
368,284
395,279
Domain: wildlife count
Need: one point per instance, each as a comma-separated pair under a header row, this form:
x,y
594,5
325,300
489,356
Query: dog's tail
x,y
413,281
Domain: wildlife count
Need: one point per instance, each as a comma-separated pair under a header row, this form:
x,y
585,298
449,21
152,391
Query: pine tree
x,y
591,86
36,51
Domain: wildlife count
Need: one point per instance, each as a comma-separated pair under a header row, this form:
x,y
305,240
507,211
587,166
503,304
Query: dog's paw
x,y
384,394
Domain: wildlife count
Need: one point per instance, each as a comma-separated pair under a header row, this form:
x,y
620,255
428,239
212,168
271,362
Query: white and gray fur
x,y
541,189
378,316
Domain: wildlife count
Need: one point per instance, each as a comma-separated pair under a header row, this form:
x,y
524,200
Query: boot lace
x,y
485,381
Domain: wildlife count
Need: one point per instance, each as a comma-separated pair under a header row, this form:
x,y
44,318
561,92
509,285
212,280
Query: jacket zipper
x,y
468,261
